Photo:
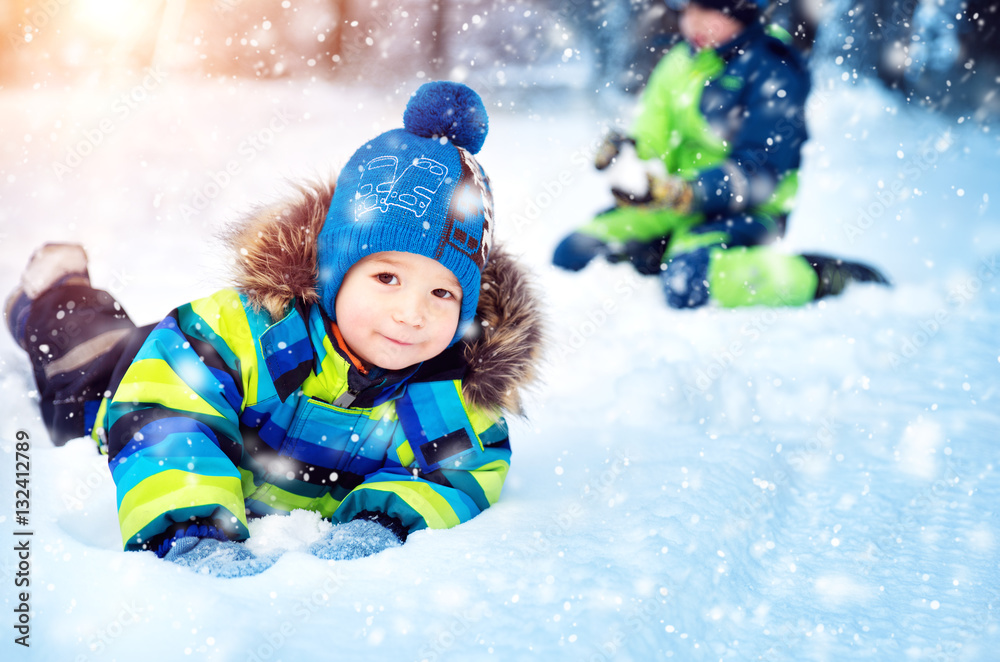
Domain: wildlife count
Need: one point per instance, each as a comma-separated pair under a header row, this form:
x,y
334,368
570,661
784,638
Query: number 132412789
x,y
22,544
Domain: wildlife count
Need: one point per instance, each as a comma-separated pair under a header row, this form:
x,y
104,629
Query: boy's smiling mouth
x,y
396,342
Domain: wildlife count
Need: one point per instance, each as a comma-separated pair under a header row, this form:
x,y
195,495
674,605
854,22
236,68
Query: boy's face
x,y
397,309
707,28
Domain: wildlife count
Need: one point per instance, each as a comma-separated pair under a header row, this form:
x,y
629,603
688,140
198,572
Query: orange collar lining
x,y
355,361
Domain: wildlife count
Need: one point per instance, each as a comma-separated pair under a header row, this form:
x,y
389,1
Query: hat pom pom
x,y
448,110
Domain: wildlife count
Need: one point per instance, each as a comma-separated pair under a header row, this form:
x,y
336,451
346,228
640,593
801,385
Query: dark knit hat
x,y
744,11
419,190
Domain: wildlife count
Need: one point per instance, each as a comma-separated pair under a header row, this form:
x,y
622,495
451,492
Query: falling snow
x,y
792,484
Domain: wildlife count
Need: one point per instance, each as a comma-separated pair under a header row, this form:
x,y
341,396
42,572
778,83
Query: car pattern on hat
x,y
413,190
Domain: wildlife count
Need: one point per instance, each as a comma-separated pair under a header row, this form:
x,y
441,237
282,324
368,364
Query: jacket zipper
x,y
346,399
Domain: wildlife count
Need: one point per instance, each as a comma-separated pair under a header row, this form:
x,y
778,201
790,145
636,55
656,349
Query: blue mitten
x,y
354,540
216,557
577,250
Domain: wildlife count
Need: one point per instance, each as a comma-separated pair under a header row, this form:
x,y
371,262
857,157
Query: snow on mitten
x,y
354,540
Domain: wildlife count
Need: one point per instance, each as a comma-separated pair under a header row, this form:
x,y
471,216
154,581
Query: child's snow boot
x,y
52,264
834,274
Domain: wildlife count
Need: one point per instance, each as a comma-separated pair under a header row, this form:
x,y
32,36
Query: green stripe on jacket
x,y
176,436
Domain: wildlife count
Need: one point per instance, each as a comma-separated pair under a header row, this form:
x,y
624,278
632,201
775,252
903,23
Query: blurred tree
x,y
438,41
8,45
942,54
14,20
335,38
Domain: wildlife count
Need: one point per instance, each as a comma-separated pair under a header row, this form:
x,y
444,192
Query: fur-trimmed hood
x,y
275,249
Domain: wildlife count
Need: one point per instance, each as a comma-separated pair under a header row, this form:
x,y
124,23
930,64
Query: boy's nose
x,y
409,310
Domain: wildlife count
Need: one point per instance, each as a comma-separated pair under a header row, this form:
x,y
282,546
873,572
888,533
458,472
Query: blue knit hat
x,y
744,11
416,190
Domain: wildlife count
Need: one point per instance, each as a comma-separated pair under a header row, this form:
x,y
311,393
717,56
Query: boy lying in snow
x,y
345,373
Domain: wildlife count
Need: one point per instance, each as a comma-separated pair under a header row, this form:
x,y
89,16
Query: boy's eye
x,y
387,279
443,294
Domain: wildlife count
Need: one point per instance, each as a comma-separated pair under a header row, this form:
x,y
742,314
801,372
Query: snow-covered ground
x,y
757,484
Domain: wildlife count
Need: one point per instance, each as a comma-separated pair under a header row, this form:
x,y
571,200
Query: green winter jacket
x,y
731,121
